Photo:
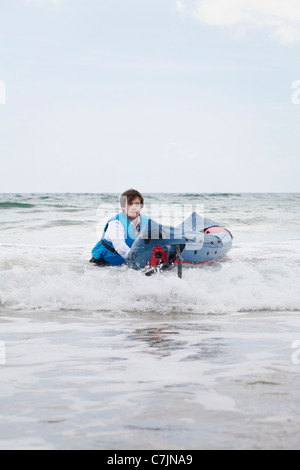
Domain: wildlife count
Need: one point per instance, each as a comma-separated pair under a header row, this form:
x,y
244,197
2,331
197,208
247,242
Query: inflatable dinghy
x,y
195,241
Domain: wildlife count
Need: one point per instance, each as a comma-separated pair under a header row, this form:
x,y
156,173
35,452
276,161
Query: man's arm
x,y
116,235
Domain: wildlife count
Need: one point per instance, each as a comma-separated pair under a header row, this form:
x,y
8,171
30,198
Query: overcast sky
x,y
160,95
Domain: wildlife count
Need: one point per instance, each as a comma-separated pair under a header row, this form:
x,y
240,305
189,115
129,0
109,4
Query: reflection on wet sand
x,y
164,339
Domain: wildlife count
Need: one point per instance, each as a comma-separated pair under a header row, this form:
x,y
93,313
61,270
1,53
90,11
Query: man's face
x,y
133,208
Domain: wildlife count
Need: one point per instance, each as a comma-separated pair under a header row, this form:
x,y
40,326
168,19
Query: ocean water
x,y
112,359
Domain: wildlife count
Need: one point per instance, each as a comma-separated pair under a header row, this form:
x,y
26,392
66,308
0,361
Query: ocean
x,y
107,358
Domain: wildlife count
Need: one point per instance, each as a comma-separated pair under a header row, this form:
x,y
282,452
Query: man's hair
x,y
129,196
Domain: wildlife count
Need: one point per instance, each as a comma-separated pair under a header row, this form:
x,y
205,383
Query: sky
x,y
158,95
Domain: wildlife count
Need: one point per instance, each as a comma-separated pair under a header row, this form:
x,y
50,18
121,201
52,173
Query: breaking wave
x,y
44,280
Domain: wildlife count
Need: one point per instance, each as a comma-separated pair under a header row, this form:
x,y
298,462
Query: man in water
x,y
121,231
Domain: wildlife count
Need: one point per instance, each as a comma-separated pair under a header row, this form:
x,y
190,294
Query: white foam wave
x,y
44,280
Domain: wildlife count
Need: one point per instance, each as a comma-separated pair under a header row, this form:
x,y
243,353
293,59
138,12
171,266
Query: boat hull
x,y
195,242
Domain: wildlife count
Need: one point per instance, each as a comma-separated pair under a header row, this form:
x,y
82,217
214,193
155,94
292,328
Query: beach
x,y
108,358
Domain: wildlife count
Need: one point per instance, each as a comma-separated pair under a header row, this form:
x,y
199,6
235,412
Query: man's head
x,y
132,202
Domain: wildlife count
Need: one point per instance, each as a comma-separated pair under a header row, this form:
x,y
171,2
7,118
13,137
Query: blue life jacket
x,y
105,249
